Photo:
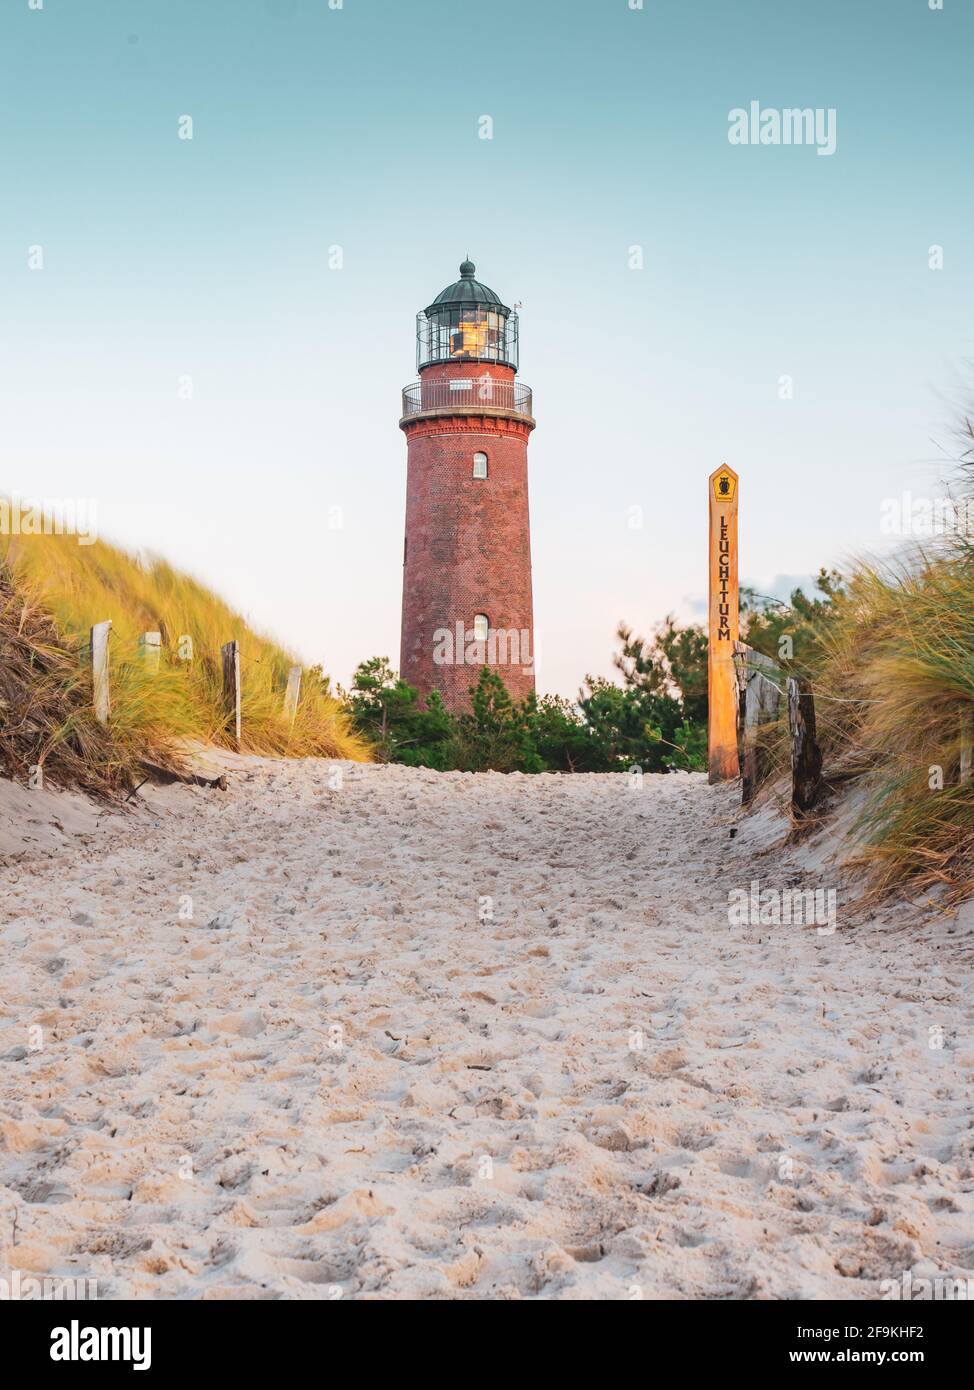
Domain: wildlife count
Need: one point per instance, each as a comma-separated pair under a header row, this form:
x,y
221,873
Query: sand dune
x,y
351,1031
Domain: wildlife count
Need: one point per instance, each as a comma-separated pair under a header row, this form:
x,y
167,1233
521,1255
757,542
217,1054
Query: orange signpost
x,y
722,489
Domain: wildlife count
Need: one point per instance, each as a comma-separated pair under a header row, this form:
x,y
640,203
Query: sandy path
x,y
337,1078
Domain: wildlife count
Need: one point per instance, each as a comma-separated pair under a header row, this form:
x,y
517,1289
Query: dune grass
x,y
889,649
896,698
154,713
46,719
891,661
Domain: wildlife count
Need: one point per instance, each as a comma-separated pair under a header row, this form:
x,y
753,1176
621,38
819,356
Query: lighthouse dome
x,y
468,290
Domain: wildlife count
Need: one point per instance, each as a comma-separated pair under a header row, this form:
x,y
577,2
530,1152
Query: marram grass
x,y
895,696
69,587
47,725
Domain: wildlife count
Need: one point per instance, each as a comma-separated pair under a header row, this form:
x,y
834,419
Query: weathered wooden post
x,y
150,644
99,669
760,703
724,625
230,653
806,756
966,748
741,650
293,693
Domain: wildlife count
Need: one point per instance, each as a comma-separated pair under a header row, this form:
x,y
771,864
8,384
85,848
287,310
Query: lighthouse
x,y
466,593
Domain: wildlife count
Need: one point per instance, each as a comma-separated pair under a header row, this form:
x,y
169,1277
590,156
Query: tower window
x,y
481,627
480,465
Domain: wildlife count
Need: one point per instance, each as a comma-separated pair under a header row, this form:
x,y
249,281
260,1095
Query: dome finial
x,y
467,269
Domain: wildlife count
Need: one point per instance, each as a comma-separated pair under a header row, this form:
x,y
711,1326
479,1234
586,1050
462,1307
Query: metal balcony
x,y
467,394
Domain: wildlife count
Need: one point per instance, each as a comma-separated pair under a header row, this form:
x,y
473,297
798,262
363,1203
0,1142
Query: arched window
x,y
481,627
480,465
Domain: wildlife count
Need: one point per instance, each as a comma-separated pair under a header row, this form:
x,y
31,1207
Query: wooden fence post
x,y
759,681
806,756
293,693
230,653
150,644
99,669
966,748
741,650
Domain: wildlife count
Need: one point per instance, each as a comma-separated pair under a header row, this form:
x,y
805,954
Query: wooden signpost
x,y
722,489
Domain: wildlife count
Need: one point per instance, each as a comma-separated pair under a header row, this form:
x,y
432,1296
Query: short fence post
x,y
741,650
150,644
230,653
806,756
759,698
966,748
293,693
99,669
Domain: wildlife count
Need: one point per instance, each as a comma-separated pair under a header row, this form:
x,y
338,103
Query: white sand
x,y
37,822
336,1078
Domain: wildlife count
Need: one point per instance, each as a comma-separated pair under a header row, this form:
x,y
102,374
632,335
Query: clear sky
x,y
314,127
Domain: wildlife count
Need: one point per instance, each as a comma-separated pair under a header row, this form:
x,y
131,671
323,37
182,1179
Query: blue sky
x,y
358,127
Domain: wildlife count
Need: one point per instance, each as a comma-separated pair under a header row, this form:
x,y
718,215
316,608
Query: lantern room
x,y
466,323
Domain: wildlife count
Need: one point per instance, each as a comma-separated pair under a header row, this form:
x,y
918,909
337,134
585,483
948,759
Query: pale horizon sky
x,y
166,259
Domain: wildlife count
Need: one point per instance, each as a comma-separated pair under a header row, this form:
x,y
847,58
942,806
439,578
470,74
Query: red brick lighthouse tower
x,y
466,594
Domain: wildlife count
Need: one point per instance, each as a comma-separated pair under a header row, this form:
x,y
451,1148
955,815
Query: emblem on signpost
x,y
725,485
